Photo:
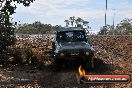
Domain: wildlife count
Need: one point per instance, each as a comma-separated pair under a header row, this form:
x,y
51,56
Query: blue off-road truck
x,y
72,44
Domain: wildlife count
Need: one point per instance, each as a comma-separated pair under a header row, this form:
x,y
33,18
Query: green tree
x,y
86,23
36,28
72,20
67,23
7,8
79,22
124,27
107,29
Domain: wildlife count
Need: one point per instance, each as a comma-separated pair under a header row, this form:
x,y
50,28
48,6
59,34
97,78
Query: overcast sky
x,y
56,11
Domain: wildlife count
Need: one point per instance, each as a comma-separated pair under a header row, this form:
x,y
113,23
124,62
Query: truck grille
x,y
74,54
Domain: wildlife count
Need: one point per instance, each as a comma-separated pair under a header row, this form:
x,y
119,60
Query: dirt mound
x,y
113,55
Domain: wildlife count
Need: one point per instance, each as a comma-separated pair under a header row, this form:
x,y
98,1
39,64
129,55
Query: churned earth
x,y
113,56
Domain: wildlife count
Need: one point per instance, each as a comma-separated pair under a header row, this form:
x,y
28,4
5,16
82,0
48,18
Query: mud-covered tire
x,y
89,64
57,65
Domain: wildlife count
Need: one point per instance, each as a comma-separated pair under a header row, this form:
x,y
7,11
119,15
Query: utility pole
x,y
113,22
105,18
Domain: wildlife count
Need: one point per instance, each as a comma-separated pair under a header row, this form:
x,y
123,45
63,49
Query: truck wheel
x,y
89,64
57,65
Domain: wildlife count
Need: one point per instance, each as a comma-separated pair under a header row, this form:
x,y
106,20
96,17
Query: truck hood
x,y
74,46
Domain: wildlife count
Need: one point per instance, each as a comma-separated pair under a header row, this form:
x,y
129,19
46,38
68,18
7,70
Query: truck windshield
x,y
71,36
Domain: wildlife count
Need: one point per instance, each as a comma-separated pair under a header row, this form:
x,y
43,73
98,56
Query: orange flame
x,y
81,71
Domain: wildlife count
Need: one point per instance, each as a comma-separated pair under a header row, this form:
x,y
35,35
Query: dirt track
x,y
46,77
113,56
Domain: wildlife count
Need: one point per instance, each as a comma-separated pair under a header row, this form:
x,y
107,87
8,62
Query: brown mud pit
x,y
113,56
29,76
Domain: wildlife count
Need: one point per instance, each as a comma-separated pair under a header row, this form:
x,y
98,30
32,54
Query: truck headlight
x,y
87,53
62,54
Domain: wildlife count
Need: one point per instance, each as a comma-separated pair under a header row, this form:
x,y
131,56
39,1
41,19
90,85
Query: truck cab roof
x,y
65,29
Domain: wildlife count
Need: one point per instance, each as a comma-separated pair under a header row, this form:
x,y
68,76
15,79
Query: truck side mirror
x,y
90,43
53,45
